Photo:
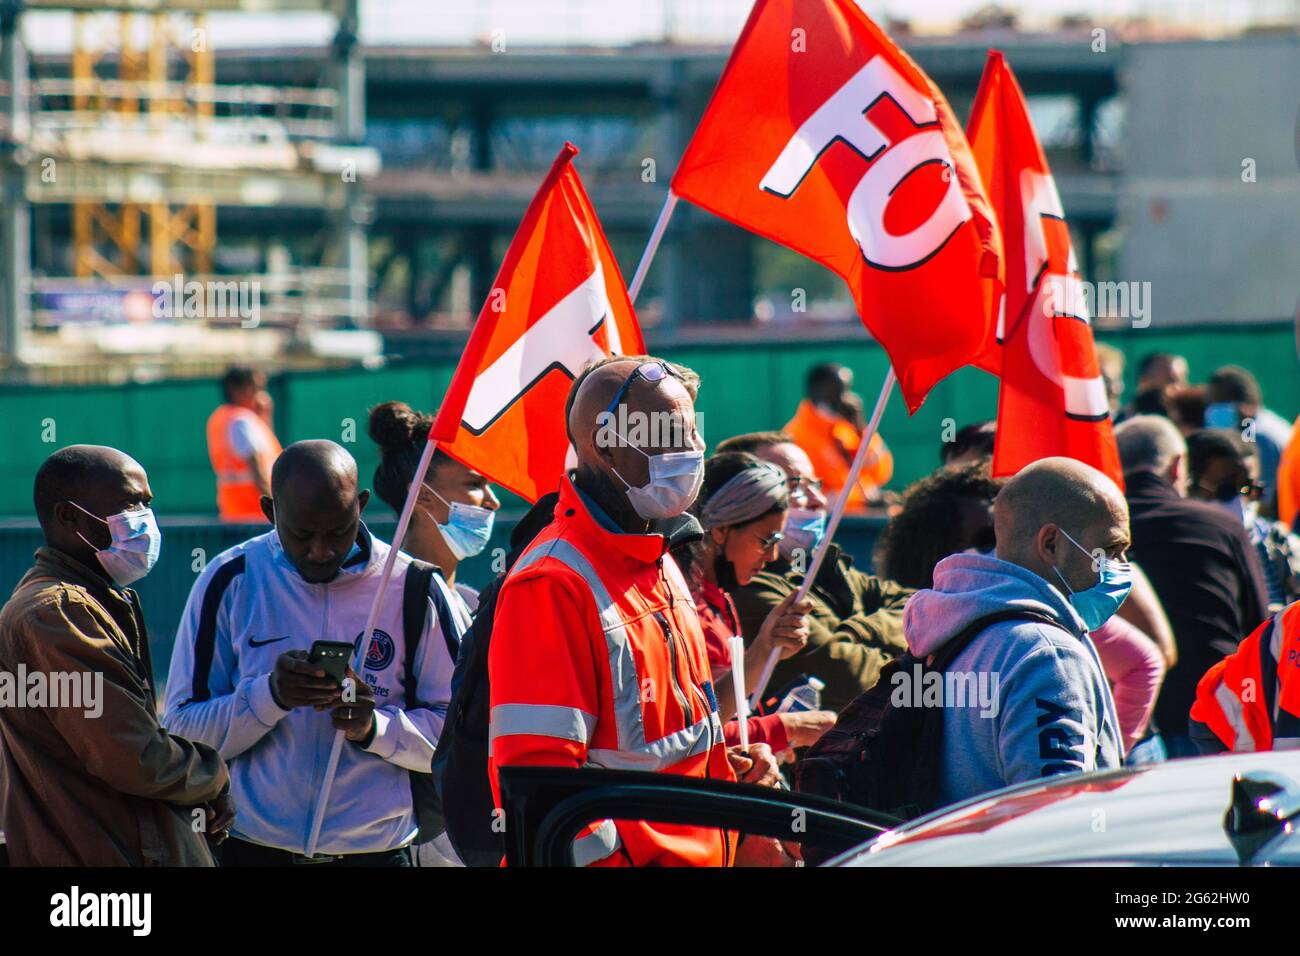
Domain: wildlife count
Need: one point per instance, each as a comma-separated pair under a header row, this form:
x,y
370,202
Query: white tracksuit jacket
x,y
248,607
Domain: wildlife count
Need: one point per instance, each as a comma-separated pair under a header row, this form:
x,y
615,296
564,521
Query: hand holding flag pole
x,y
832,525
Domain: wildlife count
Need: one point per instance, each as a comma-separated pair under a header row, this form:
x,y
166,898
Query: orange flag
x,y
1052,399
824,136
558,303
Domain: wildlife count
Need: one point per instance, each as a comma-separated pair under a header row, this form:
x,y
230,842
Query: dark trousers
x,y
236,852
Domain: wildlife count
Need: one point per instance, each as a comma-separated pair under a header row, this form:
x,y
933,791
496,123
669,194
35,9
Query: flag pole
x,y
832,525
651,247
376,604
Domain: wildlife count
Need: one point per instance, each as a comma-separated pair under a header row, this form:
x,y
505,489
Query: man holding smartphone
x,y
266,624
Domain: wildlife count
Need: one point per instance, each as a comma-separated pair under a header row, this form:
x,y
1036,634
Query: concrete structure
x,y
1210,196
1146,141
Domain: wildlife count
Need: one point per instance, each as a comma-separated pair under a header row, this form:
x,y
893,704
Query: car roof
x,y
1158,813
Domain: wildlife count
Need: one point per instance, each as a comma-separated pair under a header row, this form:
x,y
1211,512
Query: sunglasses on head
x,y
655,371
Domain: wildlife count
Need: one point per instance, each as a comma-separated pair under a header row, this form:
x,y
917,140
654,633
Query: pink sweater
x,y
1135,668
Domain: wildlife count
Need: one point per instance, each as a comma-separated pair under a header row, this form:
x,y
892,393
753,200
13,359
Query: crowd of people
x,y
1115,626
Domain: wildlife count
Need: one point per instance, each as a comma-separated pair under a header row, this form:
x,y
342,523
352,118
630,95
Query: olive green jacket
x,y
856,624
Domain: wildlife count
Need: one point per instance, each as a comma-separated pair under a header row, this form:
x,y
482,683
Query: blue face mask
x,y
1098,604
468,527
804,530
1222,415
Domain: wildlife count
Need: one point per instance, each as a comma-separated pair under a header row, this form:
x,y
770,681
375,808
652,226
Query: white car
x,y
1228,810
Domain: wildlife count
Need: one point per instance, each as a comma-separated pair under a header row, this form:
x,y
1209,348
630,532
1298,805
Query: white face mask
x,y
135,547
675,480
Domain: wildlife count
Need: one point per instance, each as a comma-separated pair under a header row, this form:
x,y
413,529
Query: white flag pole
x,y
737,644
403,522
651,247
832,525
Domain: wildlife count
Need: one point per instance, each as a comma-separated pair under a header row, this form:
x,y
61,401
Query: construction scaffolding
x,y
137,145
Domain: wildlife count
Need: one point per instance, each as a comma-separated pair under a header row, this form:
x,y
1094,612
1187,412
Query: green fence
x,y
744,388
189,544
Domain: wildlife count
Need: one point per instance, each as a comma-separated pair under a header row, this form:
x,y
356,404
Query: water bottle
x,y
807,696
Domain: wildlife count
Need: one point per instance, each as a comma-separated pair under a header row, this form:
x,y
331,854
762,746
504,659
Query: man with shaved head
x,y
1013,629
88,777
597,656
243,678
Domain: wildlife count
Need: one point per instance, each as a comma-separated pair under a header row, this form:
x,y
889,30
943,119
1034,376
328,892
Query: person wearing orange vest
x,y
1250,700
598,658
828,426
242,447
1288,480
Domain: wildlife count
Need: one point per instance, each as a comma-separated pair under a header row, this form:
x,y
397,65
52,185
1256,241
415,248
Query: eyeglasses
x,y
796,485
647,372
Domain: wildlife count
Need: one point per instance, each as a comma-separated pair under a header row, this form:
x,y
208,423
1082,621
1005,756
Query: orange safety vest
x,y
831,442
1232,698
598,659
238,497
1288,480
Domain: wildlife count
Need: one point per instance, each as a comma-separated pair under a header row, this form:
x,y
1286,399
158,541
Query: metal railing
x,y
293,298
302,113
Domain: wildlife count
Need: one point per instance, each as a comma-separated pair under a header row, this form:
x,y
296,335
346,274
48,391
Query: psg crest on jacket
x,y
380,653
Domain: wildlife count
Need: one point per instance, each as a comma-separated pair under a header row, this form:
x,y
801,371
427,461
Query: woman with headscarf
x,y
742,506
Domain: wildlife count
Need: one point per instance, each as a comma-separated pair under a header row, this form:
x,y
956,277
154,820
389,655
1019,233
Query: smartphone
x,y
332,657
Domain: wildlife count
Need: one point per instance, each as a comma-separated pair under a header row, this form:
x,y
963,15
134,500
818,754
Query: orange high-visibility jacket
x,y
1288,480
1231,698
831,442
238,497
598,659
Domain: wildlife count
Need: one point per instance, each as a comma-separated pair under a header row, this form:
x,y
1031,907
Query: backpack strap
x,y
948,653
417,588
1268,665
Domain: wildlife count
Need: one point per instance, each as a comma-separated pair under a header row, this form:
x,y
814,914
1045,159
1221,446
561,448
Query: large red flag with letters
x,y
824,136
1053,400
558,303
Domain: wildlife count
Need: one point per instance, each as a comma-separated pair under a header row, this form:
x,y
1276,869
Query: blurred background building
x,y
325,189
331,184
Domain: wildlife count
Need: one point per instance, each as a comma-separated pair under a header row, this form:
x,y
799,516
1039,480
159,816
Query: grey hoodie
x,y
1036,698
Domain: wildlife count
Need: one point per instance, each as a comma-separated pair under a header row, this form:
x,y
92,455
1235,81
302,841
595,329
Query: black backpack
x,y
460,765
417,588
887,758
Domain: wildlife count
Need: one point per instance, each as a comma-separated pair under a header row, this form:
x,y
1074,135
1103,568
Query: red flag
x,y
1053,399
558,303
824,136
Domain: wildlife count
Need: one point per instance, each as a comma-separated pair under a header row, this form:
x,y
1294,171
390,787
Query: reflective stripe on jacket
x,y
598,659
238,496
1232,698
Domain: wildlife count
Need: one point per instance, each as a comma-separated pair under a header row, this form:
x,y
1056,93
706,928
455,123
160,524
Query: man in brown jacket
x,y
88,777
